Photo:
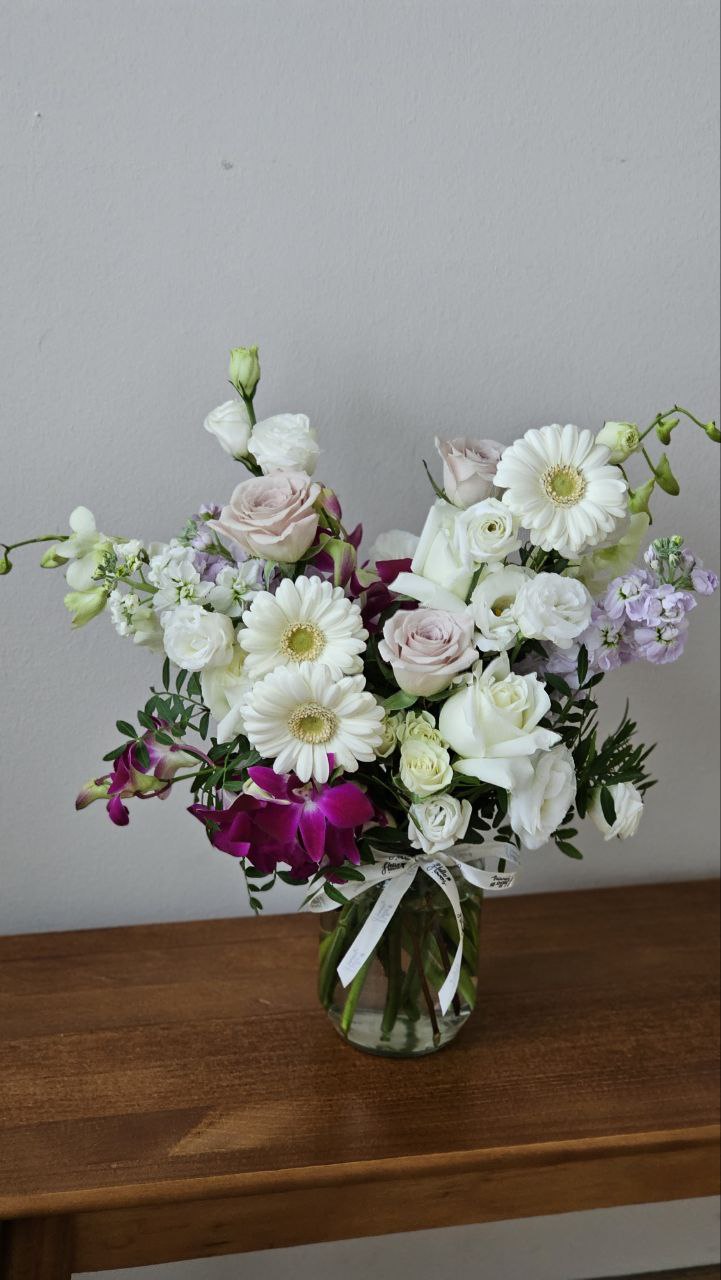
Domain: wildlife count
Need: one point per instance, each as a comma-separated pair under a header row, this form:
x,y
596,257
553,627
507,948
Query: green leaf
x,y
335,894
124,727
582,665
438,491
146,721
399,701
166,674
557,682
180,680
193,689
204,725
608,807
113,755
570,850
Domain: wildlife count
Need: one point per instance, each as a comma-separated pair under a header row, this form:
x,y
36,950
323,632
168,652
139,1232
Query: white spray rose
x,y
417,724
622,438
538,806
493,724
437,823
485,533
230,424
284,443
425,766
469,467
493,606
628,803
194,638
551,607
440,577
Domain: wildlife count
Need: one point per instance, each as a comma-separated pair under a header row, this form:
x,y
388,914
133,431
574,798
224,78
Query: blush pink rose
x,y
427,648
271,517
469,467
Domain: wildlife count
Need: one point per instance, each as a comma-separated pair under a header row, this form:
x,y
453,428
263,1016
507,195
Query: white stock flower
x,y
299,716
134,617
438,822
230,424
194,638
284,443
493,606
551,607
538,806
173,571
485,533
439,577
493,724
425,766
129,555
628,803
307,621
235,586
224,688
559,485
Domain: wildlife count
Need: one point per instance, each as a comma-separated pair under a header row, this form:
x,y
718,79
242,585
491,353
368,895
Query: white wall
x,y
459,217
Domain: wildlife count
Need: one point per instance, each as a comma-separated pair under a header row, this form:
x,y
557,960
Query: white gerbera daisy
x,y
299,716
558,483
305,621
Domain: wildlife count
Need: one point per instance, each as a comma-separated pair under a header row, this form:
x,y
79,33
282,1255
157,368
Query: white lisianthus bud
x,y
284,443
230,424
437,823
628,803
244,370
194,638
622,438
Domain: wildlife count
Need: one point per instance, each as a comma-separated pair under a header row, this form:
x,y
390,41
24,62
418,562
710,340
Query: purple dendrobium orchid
x,y
323,818
131,779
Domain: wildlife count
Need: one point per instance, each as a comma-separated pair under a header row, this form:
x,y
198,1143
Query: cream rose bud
x,y
551,607
425,766
494,724
271,517
194,638
440,577
628,803
230,424
437,823
486,533
622,438
468,468
538,806
427,648
493,606
284,443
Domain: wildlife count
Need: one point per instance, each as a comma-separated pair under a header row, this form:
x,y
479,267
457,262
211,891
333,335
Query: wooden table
x,y
174,1091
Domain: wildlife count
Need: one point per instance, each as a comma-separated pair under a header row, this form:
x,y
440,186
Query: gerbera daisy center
x,y
303,642
565,485
312,723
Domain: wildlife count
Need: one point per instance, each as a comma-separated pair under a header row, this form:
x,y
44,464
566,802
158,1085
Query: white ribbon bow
x,y
398,871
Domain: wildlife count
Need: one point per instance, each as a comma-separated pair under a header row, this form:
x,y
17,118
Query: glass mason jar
x,y
391,1007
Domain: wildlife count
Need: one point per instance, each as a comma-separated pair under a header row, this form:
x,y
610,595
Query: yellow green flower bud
x,y
621,438
713,432
5,564
638,499
665,427
244,371
85,605
53,558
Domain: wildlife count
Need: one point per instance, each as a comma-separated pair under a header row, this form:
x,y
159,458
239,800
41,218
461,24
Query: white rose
x,y
485,533
538,806
440,577
426,648
425,766
284,443
224,687
417,724
550,607
469,468
493,606
493,724
628,803
437,823
194,638
230,425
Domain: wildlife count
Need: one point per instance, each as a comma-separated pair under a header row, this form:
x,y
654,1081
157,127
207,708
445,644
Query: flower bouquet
x,y
393,730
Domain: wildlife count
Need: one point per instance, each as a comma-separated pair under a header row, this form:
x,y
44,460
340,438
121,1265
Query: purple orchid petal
x,y
274,784
118,812
345,805
312,829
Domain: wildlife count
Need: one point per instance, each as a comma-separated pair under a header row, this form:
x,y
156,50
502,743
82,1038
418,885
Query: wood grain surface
x,y
147,1068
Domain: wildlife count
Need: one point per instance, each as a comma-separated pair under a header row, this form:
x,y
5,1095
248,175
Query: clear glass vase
x,y
391,1007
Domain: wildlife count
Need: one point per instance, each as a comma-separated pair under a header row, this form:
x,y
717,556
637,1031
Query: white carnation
x,y
194,638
